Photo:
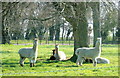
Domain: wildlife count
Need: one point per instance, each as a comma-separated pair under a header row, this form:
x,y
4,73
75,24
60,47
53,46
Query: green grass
x,y
10,62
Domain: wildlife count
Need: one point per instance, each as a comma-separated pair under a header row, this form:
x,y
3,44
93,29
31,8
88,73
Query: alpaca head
x,y
98,42
53,51
56,46
99,39
98,45
35,41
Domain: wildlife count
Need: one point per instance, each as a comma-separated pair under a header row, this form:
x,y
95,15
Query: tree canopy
x,y
26,20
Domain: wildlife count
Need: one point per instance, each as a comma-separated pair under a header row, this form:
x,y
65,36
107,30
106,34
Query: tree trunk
x,y
57,35
113,36
5,31
6,13
27,34
41,32
96,19
75,14
104,35
5,34
52,33
63,30
68,33
80,36
80,29
119,24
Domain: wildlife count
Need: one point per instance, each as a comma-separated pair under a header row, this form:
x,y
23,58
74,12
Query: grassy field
x,y
11,67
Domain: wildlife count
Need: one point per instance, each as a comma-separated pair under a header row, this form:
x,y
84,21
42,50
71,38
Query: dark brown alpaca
x,y
52,57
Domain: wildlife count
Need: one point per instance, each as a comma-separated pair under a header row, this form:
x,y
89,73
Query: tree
x,y
118,33
6,12
75,14
57,28
96,20
12,15
52,32
68,33
118,28
20,15
109,13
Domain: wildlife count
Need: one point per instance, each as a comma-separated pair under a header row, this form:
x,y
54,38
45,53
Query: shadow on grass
x,y
9,64
7,52
12,63
54,61
70,66
58,64
50,61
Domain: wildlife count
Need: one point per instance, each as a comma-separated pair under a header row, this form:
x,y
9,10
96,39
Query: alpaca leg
x,y
94,61
22,61
34,62
79,61
31,63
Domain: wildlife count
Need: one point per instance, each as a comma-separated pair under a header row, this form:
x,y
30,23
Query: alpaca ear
x,y
57,46
53,50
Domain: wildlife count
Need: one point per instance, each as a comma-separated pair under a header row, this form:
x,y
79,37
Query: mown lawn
x,y
11,67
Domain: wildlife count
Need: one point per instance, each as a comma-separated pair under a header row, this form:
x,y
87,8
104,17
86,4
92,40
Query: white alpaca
x,y
30,53
59,55
102,60
89,53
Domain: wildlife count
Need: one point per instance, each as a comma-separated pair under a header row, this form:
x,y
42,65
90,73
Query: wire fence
x,y
60,41
48,42
4,74
42,42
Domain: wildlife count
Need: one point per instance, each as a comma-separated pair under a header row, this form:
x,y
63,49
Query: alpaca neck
x,y
98,46
35,47
57,55
57,51
53,52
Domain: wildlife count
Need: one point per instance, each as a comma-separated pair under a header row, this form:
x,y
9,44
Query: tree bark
x,y
57,28
96,21
4,32
57,35
79,24
119,24
80,36
51,31
68,33
63,30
